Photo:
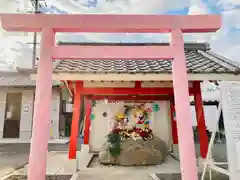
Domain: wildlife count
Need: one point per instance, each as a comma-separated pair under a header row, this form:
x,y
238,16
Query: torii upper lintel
x,y
108,23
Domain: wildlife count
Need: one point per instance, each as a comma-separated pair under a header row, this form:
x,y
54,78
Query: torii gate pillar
x,y
42,109
183,114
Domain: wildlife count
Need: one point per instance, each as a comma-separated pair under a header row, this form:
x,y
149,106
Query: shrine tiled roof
x,y
199,58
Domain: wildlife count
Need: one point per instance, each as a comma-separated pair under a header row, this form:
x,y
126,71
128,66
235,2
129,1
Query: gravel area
x,y
49,177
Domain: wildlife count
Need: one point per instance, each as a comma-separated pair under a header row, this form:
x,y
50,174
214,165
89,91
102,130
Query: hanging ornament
x,y
104,114
156,107
92,117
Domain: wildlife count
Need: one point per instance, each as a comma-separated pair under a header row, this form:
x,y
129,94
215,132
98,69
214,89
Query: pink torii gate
x,y
50,24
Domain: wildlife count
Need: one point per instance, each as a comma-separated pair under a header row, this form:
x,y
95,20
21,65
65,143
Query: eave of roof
x,y
18,80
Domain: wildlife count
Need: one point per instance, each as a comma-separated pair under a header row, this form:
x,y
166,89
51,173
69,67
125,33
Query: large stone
x,y
137,153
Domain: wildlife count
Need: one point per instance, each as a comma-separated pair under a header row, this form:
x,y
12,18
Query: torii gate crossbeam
x,y
50,24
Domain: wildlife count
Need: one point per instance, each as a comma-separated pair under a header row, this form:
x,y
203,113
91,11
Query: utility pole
x,y
35,38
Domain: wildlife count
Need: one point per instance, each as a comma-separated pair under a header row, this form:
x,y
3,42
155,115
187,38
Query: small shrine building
x,y
139,81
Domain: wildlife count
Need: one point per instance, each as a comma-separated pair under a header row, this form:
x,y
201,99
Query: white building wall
x,y
162,122
27,112
54,129
210,115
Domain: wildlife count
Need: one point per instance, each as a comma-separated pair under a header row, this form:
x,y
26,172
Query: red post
x,y
87,122
174,124
202,130
42,109
75,121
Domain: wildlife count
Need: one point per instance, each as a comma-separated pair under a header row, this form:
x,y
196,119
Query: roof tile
x,y
198,61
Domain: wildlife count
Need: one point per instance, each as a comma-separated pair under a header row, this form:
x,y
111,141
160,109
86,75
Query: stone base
x,y
137,153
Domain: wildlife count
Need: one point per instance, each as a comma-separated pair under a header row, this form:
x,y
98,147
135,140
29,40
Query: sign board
x,y
26,107
230,98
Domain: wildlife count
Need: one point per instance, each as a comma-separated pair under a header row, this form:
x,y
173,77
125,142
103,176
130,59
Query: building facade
x,y
16,108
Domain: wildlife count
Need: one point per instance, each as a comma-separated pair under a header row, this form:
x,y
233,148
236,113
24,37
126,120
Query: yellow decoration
x,y
120,116
51,132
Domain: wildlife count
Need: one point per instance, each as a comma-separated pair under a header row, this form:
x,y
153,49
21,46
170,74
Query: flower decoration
x,y
149,110
120,131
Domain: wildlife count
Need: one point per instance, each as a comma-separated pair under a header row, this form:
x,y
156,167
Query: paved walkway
x,y
25,147
14,159
12,162
9,162
114,175
128,173
58,163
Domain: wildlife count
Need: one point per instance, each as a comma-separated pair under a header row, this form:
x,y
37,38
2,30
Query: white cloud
x,y
197,7
232,17
226,4
224,41
120,6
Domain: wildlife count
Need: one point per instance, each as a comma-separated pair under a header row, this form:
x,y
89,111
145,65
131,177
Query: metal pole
x,y
34,38
211,143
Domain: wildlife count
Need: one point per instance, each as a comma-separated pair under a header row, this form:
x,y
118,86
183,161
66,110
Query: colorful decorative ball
x,y
92,117
147,122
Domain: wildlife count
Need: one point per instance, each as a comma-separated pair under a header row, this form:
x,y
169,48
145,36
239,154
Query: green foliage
x,y
94,103
114,141
146,115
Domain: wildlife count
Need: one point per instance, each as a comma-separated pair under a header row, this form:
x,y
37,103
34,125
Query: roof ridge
x,y
219,60
187,45
224,59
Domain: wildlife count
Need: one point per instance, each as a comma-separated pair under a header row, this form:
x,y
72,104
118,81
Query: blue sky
x,y
225,42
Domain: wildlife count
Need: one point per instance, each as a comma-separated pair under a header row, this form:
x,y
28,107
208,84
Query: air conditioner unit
x,y
69,107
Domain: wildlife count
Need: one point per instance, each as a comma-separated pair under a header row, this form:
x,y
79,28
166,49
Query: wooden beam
x,y
92,76
174,124
75,121
128,91
202,130
88,105
90,52
105,23
66,84
138,84
130,98
70,86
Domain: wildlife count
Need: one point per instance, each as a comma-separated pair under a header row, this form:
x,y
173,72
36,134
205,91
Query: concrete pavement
x,y
25,147
9,162
14,157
